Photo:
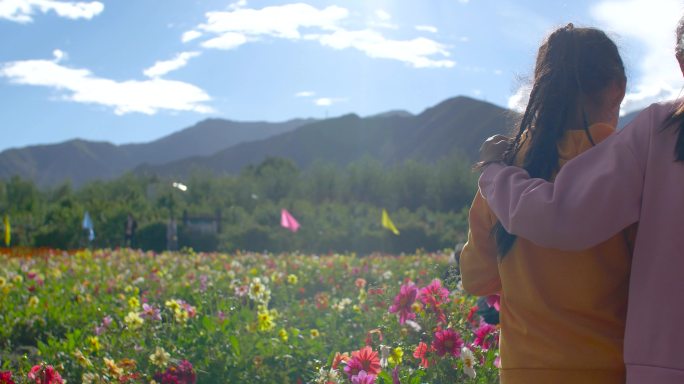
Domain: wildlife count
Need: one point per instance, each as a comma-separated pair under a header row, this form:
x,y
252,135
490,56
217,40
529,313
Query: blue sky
x,y
135,70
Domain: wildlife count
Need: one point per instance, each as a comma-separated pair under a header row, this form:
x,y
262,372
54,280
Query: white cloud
x,y
59,55
463,1
328,101
226,41
498,72
301,21
518,101
653,28
282,21
426,28
383,15
161,68
190,35
305,94
239,4
22,11
415,52
80,85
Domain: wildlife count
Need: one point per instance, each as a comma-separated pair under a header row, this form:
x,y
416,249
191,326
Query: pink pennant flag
x,y
287,221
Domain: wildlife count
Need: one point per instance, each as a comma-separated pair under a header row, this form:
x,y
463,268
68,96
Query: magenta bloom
x,y
183,373
481,334
395,375
363,378
494,301
403,301
447,341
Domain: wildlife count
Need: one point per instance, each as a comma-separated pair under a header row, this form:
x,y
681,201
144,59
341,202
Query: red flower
x,y
447,341
403,301
339,358
44,374
419,353
6,377
183,373
364,359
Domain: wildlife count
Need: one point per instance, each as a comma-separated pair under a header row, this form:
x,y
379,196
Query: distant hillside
x,y
459,124
81,161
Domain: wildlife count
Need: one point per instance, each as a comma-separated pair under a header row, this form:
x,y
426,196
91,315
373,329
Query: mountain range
x,y
456,125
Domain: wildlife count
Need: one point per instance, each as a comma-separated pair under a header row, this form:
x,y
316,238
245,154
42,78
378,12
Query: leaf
x,y
386,378
236,345
417,375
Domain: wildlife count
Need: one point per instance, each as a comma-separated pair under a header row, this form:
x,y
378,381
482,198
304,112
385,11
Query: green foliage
x,y
339,208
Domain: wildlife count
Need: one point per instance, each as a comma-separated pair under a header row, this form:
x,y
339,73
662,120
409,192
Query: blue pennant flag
x,y
88,224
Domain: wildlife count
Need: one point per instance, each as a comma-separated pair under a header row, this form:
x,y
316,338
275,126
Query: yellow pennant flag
x,y
8,231
387,222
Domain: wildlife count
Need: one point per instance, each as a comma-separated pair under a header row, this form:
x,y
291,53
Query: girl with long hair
x,y
562,313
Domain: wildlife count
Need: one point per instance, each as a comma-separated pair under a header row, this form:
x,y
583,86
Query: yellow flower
x,y
133,302
128,289
133,320
283,335
292,279
314,333
17,279
265,321
160,357
82,359
33,302
90,378
113,369
3,282
362,295
94,343
395,356
173,305
181,315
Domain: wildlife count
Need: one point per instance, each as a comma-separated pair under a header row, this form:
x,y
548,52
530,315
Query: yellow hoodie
x,y
562,313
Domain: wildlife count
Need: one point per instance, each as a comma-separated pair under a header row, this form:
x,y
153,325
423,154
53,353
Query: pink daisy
x,y
403,301
447,341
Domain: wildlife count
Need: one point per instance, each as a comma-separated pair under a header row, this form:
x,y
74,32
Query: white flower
x,y
468,362
415,326
387,275
384,354
325,376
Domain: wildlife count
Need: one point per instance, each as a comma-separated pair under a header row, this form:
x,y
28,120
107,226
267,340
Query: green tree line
x,y
339,208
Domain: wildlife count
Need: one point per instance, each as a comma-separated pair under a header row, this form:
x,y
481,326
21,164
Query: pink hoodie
x,y
629,177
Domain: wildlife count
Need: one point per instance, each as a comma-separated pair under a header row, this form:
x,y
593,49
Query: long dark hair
x,y
676,119
572,63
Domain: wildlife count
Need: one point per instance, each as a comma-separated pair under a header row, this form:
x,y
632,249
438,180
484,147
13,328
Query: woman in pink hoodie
x,y
635,175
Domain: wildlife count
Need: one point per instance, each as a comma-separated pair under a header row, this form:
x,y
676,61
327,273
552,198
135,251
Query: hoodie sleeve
x,y
479,262
593,197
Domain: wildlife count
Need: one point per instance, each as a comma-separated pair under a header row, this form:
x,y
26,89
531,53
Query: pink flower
x,y
447,341
403,301
481,334
364,359
150,312
44,374
494,301
363,378
433,296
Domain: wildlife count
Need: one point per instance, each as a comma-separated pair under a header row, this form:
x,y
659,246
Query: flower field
x,y
128,316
